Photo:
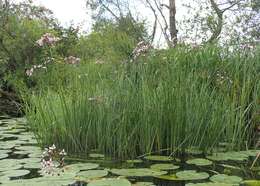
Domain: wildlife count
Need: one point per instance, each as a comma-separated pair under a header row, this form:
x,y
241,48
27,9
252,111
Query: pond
x,y
21,164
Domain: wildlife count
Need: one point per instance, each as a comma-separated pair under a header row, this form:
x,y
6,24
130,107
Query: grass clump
x,y
172,99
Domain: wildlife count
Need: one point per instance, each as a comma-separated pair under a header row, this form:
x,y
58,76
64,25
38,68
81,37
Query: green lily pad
x,y
251,182
39,182
192,175
29,160
158,158
171,177
134,161
94,155
208,184
233,156
3,156
144,184
110,182
164,166
194,151
223,178
15,173
9,164
35,155
138,172
250,152
29,148
32,165
81,166
199,162
86,176
5,151
7,146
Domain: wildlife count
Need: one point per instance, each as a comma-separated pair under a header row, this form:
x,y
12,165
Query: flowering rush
x,y
72,60
48,156
47,39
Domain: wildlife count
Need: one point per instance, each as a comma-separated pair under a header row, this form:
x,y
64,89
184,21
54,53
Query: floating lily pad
x,y
199,162
223,178
5,151
138,172
134,161
7,146
9,164
192,175
94,155
194,151
143,184
171,177
15,173
39,182
158,158
110,182
35,155
3,156
250,152
233,156
81,166
29,160
208,184
164,166
29,148
86,176
32,165
251,182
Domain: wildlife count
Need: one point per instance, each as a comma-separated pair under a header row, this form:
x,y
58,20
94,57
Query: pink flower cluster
x,y
47,39
29,72
72,60
51,153
141,49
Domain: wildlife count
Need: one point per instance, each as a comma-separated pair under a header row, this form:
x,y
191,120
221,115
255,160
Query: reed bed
x,y
174,99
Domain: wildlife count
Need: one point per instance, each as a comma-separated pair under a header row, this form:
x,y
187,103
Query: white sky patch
x,y
69,12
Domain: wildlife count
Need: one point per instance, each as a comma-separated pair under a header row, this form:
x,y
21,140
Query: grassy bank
x,y
173,99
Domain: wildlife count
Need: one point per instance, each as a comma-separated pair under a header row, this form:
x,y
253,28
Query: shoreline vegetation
x,y
176,99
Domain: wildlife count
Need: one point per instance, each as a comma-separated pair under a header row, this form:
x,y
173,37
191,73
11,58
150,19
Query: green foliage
x,y
172,99
111,41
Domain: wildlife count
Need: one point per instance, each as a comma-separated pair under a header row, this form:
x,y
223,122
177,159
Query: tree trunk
x,y
173,29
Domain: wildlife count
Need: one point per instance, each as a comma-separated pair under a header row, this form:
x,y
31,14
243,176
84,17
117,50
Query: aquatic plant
x,y
167,102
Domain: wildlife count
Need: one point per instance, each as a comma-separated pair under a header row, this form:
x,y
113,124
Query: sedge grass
x,y
173,100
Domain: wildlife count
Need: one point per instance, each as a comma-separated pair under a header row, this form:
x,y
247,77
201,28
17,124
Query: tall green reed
x,y
174,100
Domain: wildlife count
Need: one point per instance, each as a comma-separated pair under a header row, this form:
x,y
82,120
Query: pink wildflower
x,y
47,39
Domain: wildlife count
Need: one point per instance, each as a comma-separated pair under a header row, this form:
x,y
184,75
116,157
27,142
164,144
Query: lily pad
x,y
110,182
81,166
32,165
192,175
3,156
94,155
164,166
9,164
158,158
171,177
223,178
199,162
86,176
194,151
144,184
251,182
134,161
137,172
15,173
208,184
